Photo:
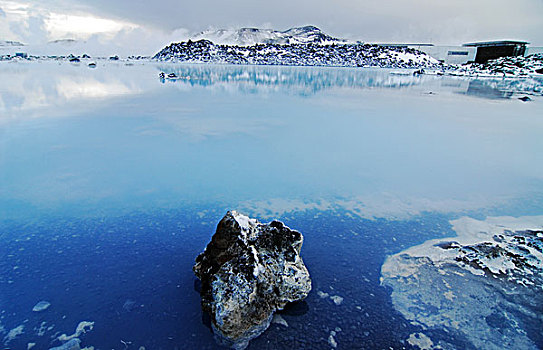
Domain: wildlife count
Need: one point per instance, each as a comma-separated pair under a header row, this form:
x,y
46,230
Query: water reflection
x,y
494,89
376,143
311,80
28,89
302,80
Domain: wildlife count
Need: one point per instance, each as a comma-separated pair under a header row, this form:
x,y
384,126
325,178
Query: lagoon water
x,y
112,181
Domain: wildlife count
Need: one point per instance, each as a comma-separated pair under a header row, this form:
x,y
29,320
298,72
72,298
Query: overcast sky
x,y
148,25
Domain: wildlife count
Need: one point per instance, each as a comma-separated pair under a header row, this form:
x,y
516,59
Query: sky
x,y
146,26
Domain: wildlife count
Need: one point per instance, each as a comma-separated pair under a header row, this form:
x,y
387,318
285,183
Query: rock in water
x,y
247,272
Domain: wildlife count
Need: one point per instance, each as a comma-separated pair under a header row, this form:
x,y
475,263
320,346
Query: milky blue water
x,y
112,181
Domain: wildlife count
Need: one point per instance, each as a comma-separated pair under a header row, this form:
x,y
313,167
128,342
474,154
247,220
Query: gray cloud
x,y
370,20
440,22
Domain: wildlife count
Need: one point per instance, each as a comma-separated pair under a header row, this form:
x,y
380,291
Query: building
x,y
490,50
449,54
479,52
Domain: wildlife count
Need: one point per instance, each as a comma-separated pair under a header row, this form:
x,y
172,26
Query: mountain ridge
x,y
252,36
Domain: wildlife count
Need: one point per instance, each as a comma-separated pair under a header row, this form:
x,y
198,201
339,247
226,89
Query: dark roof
x,y
497,43
404,45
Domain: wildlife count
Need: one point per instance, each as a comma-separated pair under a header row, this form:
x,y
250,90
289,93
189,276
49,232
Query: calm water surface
x,y
112,181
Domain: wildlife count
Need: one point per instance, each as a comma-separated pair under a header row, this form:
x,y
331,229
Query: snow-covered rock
x,y
307,54
504,67
247,272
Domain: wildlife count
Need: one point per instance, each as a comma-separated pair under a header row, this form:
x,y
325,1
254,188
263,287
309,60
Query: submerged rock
x,y
41,306
247,272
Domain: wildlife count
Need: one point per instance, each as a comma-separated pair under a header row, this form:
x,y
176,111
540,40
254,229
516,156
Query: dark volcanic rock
x,y
247,272
309,54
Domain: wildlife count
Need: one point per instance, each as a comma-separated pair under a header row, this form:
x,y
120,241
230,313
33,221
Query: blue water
x,y
112,181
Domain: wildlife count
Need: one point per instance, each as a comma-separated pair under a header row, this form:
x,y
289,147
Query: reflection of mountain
x,y
303,80
310,80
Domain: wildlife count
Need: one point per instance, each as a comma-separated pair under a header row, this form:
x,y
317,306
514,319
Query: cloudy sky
x,y
145,26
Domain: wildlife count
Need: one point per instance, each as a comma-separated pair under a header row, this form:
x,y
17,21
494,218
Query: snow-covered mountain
x,y
253,36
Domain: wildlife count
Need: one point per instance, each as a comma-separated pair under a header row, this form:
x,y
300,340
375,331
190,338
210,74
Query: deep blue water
x,y
111,182
92,269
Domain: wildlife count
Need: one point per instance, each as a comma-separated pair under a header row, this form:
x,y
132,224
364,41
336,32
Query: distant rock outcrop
x,y
247,272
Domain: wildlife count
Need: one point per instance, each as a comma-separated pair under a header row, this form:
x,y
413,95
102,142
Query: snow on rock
x,y
485,284
297,54
247,272
507,67
484,248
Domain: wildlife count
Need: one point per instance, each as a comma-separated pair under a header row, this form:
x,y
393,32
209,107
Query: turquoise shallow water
x,y
111,182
